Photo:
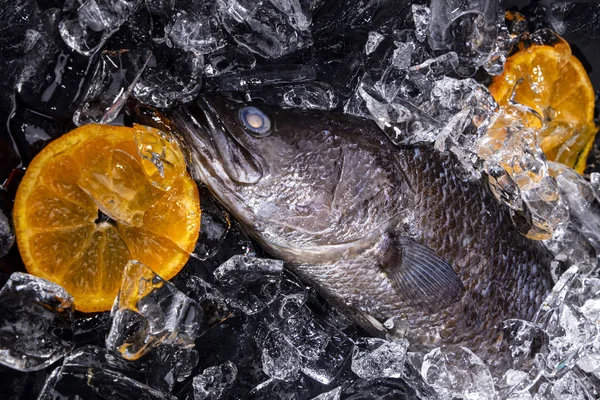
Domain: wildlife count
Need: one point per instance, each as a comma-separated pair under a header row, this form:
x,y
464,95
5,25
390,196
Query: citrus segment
x,y
551,81
119,187
114,255
57,174
86,206
63,245
50,211
164,251
174,203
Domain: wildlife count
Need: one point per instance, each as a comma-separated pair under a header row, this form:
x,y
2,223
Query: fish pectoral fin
x,y
421,277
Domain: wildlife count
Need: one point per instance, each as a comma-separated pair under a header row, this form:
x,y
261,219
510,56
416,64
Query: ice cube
x,y
163,161
527,349
280,359
313,96
334,394
373,41
88,24
35,322
271,29
173,78
95,383
212,302
195,32
110,86
91,329
250,284
261,77
150,311
421,18
214,382
166,365
467,27
7,237
457,371
567,387
322,347
228,59
378,358
215,224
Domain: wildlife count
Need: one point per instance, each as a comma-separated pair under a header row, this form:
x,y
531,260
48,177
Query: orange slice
x,y
551,81
98,197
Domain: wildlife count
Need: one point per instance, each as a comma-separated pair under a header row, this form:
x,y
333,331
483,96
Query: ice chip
x,y
570,316
525,341
7,236
212,302
35,322
402,55
215,382
590,363
250,284
150,311
215,225
378,358
547,208
98,357
280,360
455,371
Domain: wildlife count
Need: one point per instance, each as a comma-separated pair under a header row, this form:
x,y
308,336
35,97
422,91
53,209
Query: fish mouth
x,y
213,148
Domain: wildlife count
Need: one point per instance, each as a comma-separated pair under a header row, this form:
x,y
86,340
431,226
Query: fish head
x,y
260,162
298,178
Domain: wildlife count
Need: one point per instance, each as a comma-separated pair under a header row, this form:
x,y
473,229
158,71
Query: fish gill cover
x,y
236,323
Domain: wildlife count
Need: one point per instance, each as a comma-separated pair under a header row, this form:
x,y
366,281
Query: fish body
x,y
380,230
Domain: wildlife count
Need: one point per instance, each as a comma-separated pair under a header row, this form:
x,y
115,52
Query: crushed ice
x,y
275,340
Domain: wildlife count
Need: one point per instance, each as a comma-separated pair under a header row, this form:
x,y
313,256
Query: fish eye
x,y
255,121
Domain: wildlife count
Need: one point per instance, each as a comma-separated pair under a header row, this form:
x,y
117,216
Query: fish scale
x,y
514,267
390,231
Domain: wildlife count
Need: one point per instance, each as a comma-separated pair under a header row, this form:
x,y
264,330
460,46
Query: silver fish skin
x,y
381,231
